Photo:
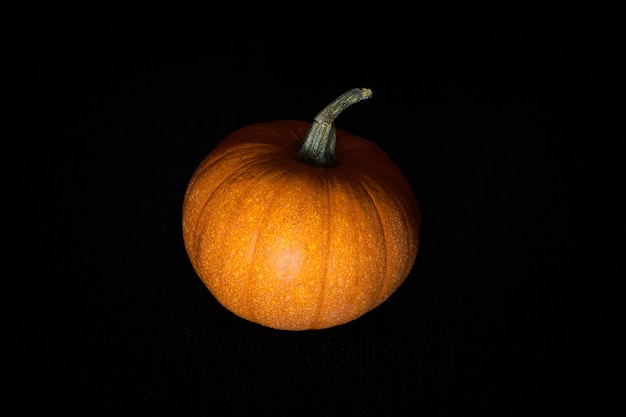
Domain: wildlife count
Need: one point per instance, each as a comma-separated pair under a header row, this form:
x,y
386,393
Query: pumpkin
x,y
296,225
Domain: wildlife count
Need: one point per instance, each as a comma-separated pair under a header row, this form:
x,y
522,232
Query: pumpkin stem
x,y
318,147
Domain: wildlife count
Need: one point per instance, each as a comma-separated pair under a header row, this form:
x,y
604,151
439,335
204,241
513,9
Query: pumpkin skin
x,y
295,246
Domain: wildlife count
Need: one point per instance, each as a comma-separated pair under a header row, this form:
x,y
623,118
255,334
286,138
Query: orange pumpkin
x,y
296,225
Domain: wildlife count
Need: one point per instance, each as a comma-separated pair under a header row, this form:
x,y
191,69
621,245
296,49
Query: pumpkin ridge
x,y
209,196
241,148
412,226
316,318
406,225
284,177
386,276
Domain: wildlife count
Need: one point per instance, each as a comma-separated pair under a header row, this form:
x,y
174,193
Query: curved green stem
x,y
318,147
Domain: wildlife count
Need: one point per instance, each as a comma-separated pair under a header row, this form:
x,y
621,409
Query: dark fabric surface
x,y
509,132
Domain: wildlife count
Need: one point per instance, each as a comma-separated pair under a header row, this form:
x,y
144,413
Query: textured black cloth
x,y
509,132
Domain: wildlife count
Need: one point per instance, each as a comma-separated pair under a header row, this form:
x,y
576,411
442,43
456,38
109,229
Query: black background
x,y
510,133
